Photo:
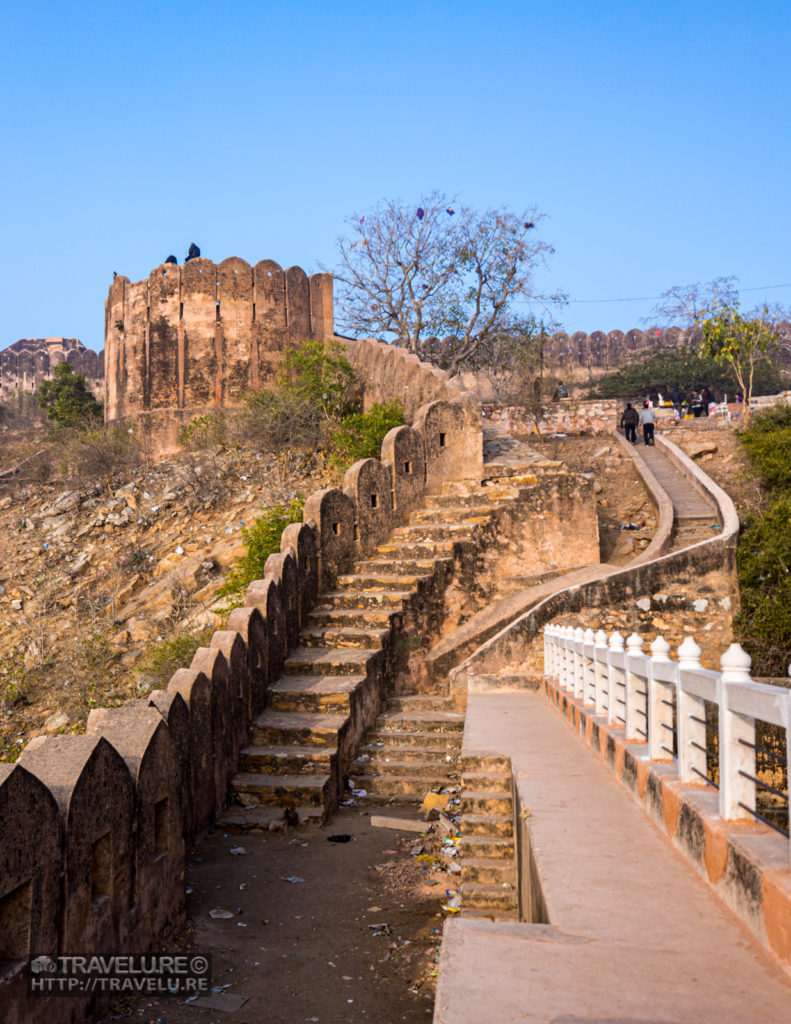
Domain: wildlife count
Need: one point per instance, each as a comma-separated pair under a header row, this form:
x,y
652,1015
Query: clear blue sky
x,y
655,136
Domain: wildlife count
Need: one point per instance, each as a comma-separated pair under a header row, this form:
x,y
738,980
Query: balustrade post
x,y
616,680
562,655
737,741
579,661
589,674
602,696
690,719
660,703
636,691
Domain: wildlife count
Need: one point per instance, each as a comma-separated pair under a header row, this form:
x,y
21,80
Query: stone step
x,y
488,825
402,566
364,599
297,728
412,785
419,702
478,896
488,872
380,581
483,847
490,915
283,790
420,532
266,817
416,549
421,721
285,760
354,618
323,694
406,755
438,774
483,496
327,661
486,763
342,637
424,738
486,803
450,515
493,783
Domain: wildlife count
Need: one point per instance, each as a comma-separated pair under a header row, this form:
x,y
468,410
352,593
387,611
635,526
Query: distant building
x,y
29,361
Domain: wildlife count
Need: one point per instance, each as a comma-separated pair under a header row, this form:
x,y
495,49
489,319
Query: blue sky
x,y
656,138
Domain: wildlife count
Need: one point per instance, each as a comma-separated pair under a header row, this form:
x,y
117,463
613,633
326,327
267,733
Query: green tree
x,y
741,342
67,398
318,373
409,272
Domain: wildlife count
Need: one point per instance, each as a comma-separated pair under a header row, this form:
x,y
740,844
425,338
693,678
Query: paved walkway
x,y
688,505
636,937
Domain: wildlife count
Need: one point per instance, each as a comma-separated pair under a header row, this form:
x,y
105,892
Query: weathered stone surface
x,y
404,450
369,483
334,515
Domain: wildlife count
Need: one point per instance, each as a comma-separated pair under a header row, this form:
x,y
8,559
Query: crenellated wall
x,y
94,826
29,361
191,339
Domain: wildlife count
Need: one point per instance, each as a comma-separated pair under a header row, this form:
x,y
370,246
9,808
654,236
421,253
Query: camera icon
x,y
43,964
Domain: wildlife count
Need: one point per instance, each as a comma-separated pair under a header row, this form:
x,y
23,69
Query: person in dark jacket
x,y
629,421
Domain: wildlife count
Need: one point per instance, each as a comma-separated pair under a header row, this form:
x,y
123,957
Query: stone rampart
x,y
189,340
567,416
95,825
30,361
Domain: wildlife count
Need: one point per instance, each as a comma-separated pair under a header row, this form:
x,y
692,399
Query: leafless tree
x,y
685,305
410,272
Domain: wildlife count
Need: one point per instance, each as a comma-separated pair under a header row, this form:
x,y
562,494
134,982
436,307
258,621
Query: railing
x,y
712,724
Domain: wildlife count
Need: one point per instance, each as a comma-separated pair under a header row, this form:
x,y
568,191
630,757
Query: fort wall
x,y
95,826
193,339
30,361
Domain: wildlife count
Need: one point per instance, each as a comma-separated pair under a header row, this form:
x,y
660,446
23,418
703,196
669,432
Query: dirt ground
x,y
307,951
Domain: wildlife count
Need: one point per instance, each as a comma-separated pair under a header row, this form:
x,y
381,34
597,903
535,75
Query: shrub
x,y
67,398
763,625
166,656
768,444
100,452
262,540
360,434
277,421
318,373
203,432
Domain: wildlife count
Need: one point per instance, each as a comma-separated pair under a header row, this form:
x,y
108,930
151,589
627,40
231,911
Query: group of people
x,y
697,403
646,418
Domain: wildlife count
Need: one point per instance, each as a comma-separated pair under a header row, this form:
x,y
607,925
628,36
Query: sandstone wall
x,y
568,416
94,826
30,361
192,339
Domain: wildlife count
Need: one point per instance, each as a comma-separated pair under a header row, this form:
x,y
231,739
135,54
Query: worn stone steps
x,y
485,871
493,899
420,532
392,737
422,549
473,802
487,825
418,702
380,581
327,661
353,618
407,789
323,694
419,567
415,768
381,599
287,760
480,497
421,721
335,636
447,752
484,847
268,817
289,790
296,728
449,514
493,783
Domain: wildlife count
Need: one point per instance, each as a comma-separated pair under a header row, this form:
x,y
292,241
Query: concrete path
x,y
636,937
688,504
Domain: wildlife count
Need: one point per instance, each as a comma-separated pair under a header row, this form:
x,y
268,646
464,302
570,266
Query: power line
x,y
654,298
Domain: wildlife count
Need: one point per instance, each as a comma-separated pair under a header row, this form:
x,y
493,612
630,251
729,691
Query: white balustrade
x,y
658,700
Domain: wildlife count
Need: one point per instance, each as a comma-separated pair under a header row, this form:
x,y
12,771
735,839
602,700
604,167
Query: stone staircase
x,y
488,852
299,749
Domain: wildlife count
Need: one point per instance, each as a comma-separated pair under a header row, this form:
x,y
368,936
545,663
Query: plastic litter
x,y
219,914
237,851
293,879
342,837
380,929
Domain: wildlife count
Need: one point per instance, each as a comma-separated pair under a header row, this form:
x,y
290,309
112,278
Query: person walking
x,y
629,421
647,419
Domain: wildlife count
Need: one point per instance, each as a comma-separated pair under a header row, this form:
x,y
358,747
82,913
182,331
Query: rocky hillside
x,y
103,583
